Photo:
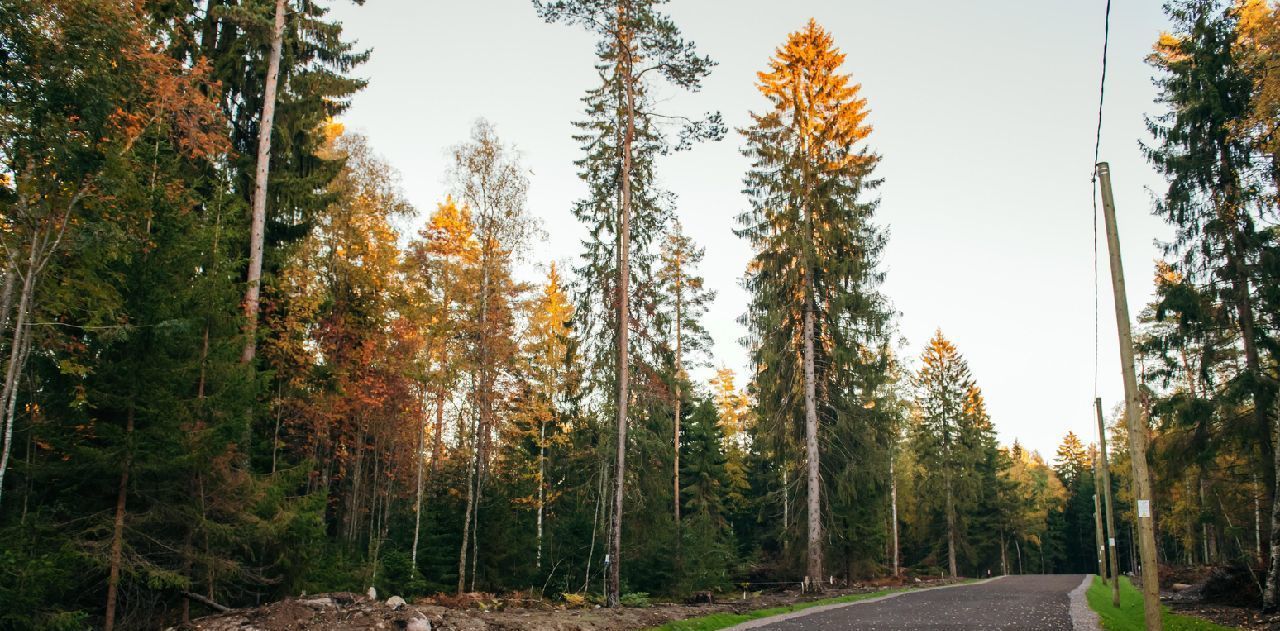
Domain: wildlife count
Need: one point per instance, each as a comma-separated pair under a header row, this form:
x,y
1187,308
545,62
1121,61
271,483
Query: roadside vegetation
x,y
1129,615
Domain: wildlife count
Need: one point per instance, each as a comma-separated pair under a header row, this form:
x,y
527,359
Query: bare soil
x,y
1226,594
485,612
1227,616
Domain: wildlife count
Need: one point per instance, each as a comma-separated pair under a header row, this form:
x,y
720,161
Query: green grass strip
x,y
1129,616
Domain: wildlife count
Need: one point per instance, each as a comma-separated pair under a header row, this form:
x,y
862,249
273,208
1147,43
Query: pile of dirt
x,y
1225,594
485,612
341,610
1228,585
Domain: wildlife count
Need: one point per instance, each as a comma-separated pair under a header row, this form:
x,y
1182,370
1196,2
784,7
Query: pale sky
x,y
984,113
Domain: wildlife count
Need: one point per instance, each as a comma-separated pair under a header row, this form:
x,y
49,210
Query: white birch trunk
x,y
417,502
258,224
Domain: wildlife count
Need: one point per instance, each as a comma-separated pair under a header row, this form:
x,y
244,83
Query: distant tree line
x,y
229,376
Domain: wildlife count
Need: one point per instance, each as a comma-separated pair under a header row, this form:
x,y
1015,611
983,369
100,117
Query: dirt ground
x,y
483,612
1227,595
1235,617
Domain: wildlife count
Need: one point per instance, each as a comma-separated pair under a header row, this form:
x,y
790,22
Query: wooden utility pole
x,y
1100,549
1134,419
1114,574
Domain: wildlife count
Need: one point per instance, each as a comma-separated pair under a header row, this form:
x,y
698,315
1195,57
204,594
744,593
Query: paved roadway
x,y
1030,602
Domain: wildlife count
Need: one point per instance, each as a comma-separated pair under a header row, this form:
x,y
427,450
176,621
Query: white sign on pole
x,y
1144,508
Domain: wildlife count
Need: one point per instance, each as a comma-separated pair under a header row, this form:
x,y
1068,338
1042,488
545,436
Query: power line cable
x,y
1097,146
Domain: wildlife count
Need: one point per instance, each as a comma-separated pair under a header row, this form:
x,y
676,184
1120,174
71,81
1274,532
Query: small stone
x,y
419,624
395,602
373,593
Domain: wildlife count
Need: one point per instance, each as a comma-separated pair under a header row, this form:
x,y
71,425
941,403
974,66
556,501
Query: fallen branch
x,y
220,608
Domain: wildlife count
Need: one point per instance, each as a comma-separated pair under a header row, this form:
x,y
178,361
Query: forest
x,y
231,375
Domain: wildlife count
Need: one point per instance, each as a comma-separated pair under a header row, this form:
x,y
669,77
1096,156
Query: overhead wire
x,y
1097,146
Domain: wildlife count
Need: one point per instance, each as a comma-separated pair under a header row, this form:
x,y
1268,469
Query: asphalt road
x,y
1031,602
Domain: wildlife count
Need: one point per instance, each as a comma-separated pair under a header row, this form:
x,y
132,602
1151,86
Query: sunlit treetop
x,y
806,87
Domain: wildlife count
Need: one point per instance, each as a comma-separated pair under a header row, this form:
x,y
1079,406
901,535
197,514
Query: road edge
x,y
1083,617
760,622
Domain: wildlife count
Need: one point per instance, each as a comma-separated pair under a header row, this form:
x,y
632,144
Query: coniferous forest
x,y
232,375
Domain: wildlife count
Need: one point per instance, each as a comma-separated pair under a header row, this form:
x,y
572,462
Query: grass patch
x,y
1129,616
725,619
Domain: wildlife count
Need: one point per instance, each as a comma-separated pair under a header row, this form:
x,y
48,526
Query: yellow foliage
x,y
805,84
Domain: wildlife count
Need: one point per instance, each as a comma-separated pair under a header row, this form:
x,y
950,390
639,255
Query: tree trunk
x,y
417,502
623,316
17,356
679,400
1004,555
466,517
6,295
813,570
1270,594
475,522
542,472
595,526
951,530
786,505
437,448
484,394
1257,519
258,224
117,532
893,506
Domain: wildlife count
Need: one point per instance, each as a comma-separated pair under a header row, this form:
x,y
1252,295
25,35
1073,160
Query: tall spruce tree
x,y
624,210
947,437
815,309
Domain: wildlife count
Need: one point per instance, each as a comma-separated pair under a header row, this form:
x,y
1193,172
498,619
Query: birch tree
x,y
488,178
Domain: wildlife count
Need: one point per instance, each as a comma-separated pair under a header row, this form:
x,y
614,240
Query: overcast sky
x,y
984,113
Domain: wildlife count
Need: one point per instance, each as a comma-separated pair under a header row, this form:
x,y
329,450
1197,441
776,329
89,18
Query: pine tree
x,y
706,490
945,398
736,422
687,299
815,308
1075,539
624,210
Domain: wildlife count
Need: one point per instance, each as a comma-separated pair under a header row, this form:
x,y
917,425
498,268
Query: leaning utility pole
x,y
1100,549
1133,416
1114,574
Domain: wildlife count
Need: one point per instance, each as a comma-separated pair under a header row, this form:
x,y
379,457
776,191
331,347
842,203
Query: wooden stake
x,y
1134,419
1114,573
